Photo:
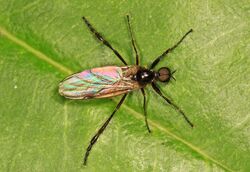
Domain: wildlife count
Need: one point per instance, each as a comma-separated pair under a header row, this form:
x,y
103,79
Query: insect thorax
x,y
130,71
139,74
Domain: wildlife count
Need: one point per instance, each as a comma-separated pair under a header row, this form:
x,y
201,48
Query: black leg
x,y
100,38
156,61
144,108
133,41
157,90
100,131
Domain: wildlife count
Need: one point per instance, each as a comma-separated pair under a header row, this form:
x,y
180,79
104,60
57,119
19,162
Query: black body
x,y
144,76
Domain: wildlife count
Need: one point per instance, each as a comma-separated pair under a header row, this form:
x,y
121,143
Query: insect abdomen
x,y
100,82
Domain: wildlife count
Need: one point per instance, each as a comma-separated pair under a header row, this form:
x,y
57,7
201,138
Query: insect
x,y
110,81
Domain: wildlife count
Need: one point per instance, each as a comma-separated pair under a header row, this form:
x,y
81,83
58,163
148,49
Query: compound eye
x,y
164,74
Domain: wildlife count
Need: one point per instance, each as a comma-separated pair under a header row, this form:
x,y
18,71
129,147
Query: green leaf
x,y
41,42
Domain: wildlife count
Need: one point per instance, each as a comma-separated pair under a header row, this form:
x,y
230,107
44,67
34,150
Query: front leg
x,y
157,90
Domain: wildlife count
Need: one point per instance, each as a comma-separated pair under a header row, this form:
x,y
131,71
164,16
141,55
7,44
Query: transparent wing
x,y
96,83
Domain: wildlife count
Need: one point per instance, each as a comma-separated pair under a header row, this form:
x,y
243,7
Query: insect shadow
x,y
110,81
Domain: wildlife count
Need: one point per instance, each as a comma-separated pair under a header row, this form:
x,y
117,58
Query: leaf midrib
x,y
38,54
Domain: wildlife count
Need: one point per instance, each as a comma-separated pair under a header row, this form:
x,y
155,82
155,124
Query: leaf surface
x,y
41,42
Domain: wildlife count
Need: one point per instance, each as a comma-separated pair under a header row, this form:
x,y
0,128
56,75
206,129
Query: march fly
x,y
110,81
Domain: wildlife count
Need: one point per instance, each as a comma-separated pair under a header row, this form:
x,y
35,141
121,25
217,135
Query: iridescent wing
x,y
100,82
